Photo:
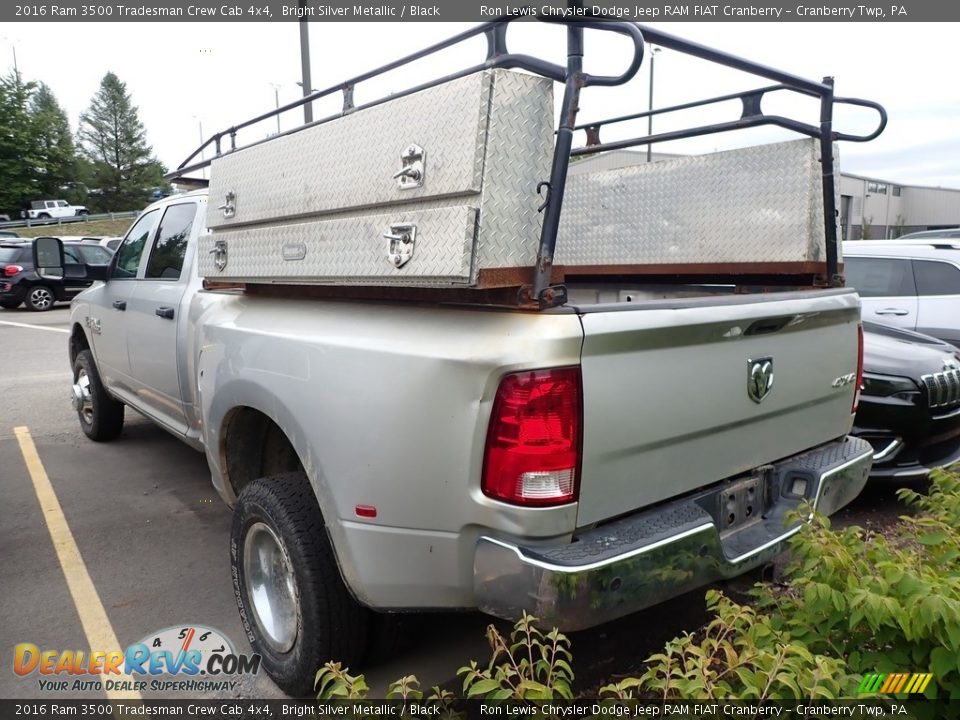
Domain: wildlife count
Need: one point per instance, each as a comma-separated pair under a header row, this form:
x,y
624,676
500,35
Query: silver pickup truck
x,y
621,441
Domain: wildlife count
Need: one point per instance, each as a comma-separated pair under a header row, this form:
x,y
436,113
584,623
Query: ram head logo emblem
x,y
759,378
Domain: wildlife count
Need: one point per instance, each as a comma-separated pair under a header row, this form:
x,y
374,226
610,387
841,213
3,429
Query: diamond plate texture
x,y
488,139
350,250
756,204
349,162
519,154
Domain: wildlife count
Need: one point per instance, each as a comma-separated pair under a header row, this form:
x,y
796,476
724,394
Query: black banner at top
x,y
478,10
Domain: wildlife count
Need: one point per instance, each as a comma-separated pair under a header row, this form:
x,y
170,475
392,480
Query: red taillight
x,y
859,385
533,442
11,270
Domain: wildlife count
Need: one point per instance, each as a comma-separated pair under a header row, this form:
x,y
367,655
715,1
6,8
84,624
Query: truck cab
x,y
134,319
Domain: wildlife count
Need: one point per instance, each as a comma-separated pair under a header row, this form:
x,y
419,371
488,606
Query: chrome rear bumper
x,y
652,556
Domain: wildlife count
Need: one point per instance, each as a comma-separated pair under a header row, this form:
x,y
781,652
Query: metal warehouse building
x,y
874,209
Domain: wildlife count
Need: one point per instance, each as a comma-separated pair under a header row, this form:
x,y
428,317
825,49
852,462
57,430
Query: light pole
x,y
305,64
203,152
276,100
653,56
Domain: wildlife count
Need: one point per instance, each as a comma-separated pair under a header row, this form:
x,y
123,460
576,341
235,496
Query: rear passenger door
x,y
888,293
110,311
154,318
938,288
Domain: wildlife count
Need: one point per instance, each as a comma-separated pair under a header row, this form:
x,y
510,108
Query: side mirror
x,y
48,258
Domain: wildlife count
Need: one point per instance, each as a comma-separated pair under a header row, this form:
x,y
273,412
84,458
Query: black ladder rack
x,y
574,80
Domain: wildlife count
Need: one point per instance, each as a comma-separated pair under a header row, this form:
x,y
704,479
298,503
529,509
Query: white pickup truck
x,y
606,446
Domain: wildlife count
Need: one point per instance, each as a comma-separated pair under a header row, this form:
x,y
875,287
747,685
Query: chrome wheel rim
x,y
41,298
270,587
81,398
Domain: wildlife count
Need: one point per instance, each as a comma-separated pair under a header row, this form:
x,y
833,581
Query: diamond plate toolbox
x,y
428,189
755,205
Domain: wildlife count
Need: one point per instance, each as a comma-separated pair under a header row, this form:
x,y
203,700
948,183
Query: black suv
x,y
20,284
910,404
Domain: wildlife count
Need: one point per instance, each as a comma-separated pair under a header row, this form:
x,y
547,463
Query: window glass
x,y
879,277
166,258
70,254
130,252
61,203
95,255
936,278
9,254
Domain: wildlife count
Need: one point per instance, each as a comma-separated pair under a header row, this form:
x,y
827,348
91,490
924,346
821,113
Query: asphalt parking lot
x,y
142,541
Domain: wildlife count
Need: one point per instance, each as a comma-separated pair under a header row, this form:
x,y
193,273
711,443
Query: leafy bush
x,y
883,603
532,666
334,683
739,655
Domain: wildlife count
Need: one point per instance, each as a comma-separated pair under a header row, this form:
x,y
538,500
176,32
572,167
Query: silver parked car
x,y
909,283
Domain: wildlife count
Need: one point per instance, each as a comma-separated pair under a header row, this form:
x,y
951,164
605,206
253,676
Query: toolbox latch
x,y
401,239
229,206
413,161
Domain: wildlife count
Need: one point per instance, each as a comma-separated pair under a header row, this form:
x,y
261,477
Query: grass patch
x,y
92,228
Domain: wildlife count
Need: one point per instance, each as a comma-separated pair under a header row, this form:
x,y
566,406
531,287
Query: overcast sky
x,y
187,76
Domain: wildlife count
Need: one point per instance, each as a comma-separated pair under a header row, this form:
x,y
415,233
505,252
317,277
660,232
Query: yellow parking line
x,y
96,625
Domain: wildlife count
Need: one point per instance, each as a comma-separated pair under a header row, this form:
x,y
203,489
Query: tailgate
x,y
665,390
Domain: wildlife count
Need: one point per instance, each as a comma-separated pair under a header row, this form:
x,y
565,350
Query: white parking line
x,y
93,616
33,327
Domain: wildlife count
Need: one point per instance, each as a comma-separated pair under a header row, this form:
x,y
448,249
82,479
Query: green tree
x,y
54,154
114,140
17,177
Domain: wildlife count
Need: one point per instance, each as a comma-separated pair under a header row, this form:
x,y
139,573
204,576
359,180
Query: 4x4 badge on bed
x,y
759,378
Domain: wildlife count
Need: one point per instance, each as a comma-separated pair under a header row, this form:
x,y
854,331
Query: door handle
x,y
165,312
891,311
119,304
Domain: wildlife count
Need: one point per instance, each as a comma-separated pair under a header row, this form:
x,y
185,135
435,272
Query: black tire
x,y
10,304
83,212
40,298
103,419
43,216
330,624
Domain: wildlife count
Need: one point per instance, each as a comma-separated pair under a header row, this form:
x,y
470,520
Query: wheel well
x,y
78,343
254,446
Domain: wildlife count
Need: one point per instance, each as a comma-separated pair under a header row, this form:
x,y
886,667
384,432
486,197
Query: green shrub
x,y
334,683
532,666
883,603
739,655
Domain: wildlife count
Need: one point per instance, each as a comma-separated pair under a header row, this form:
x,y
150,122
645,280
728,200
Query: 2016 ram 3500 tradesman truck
x,y
401,423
